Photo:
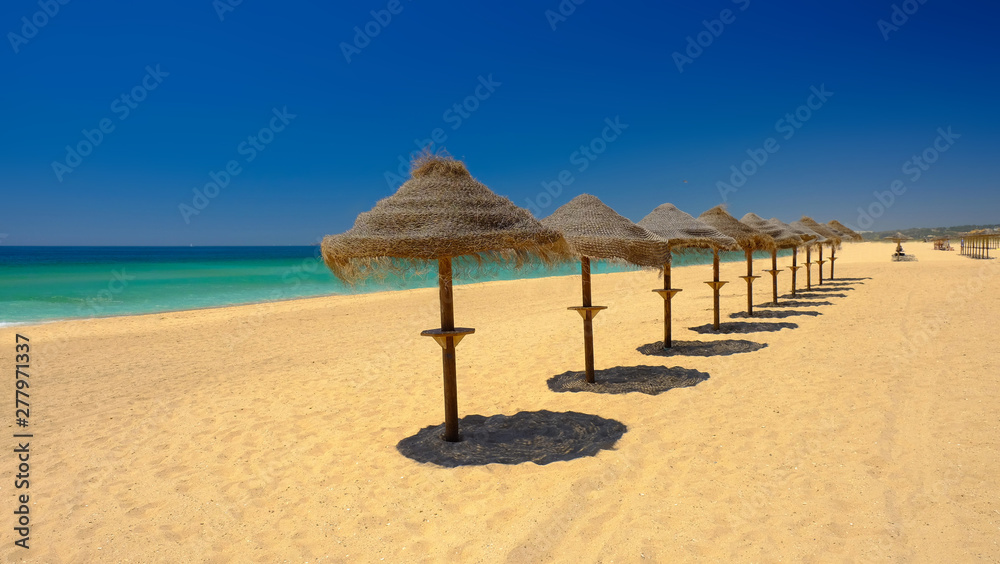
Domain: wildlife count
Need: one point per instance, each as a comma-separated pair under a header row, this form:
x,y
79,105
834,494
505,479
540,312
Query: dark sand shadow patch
x,y
839,279
824,288
807,294
651,380
793,303
742,327
722,347
541,437
766,314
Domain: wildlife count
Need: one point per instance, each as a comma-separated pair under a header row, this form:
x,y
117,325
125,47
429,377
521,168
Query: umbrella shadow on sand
x,y
839,279
766,314
722,347
742,327
794,303
824,288
650,380
807,294
541,437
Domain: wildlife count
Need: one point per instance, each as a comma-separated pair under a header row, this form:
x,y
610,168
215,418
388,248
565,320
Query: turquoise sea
x,y
49,283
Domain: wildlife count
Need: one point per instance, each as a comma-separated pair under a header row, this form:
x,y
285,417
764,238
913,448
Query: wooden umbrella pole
x,y
715,278
588,321
833,258
774,275
448,352
795,267
667,293
820,261
809,267
667,337
750,277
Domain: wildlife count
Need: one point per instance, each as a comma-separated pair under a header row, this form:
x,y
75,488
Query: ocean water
x,y
50,283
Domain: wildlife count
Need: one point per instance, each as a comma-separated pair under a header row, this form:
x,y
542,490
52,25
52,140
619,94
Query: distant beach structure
x,y
977,244
899,254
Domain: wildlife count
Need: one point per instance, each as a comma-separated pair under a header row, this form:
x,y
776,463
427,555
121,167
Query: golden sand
x,y
267,433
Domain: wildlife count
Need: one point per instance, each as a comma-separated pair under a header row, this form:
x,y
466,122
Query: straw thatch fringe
x,y
748,238
849,234
594,230
440,212
808,235
832,238
784,237
684,232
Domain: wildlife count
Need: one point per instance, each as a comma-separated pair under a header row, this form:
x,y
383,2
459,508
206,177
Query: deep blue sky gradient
x,y
353,120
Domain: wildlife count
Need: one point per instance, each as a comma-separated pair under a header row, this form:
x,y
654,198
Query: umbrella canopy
x,y
847,231
747,238
831,237
441,212
898,237
808,235
594,230
682,231
783,235
843,236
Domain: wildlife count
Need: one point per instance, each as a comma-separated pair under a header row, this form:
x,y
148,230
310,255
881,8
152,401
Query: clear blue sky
x,y
221,80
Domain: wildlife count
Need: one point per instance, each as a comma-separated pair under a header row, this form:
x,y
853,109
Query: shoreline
x,y
4,324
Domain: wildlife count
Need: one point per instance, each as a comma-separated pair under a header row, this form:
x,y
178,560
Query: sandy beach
x,y
865,431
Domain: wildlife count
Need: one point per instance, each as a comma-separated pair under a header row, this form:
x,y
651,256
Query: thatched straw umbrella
x,y
682,232
832,238
784,238
898,238
804,236
747,238
811,238
833,250
846,234
849,234
593,230
440,213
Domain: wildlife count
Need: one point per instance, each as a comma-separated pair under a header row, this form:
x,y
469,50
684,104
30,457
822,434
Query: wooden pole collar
x,y
584,311
442,335
667,293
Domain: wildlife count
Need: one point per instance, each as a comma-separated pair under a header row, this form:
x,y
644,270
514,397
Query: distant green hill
x,y
920,233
